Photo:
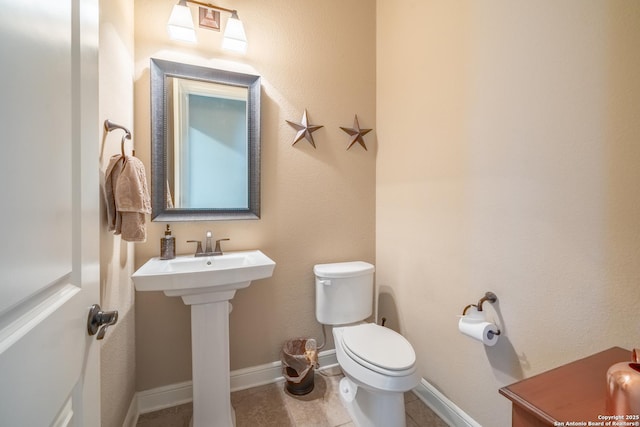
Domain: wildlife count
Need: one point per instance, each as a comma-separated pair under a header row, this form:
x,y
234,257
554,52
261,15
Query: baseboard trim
x,y
442,406
164,397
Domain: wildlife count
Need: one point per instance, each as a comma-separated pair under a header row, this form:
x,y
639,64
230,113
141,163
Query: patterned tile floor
x,y
271,406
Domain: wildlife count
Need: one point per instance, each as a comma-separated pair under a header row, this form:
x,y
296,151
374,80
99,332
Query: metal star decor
x,y
304,130
356,133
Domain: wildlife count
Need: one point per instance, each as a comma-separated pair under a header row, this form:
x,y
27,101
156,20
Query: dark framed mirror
x,y
205,143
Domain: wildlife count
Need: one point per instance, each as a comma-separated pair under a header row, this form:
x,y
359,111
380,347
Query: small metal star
x,y
304,129
356,133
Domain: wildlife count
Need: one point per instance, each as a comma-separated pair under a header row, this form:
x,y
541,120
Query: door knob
x,y
99,320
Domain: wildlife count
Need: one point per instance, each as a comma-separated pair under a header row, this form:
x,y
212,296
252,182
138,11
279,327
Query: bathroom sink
x,y
187,274
207,284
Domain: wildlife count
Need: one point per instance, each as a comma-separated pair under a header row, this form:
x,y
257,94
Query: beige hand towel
x,y
132,200
112,173
127,198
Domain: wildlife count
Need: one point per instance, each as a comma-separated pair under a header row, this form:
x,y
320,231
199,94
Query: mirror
x,y
205,143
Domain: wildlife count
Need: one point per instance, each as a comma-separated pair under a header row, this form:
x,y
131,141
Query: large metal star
x,y
304,130
356,133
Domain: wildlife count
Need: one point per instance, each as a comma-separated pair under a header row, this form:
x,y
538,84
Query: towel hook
x,y
110,126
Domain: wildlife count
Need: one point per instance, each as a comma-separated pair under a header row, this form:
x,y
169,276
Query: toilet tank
x,y
344,292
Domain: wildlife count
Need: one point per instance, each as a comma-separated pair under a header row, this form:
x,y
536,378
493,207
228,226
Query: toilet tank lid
x,y
343,269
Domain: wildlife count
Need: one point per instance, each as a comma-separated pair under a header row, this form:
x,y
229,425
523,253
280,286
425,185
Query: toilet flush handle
x,y
325,282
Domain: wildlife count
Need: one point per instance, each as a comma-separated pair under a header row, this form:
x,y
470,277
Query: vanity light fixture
x,y
234,36
180,26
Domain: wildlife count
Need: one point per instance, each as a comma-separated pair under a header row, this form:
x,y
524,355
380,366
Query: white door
x,y
49,219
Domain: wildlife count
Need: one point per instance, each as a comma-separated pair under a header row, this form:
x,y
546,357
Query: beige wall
x,y
508,161
116,256
317,205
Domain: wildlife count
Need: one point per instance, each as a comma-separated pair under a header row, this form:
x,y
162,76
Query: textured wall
x,y
116,256
317,205
508,161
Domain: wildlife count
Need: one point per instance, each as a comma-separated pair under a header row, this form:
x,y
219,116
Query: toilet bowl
x,y
378,363
379,366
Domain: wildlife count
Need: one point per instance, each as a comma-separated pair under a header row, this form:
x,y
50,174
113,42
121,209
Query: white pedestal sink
x,y
207,284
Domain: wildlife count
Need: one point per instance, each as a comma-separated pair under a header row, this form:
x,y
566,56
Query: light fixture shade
x,y
234,36
180,25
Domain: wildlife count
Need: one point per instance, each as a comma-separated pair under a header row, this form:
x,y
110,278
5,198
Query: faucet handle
x,y
218,249
198,248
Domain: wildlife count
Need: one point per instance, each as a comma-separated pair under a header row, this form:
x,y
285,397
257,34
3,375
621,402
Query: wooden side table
x,y
575,392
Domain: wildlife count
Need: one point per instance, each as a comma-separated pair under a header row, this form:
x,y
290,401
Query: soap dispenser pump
x,y
168,245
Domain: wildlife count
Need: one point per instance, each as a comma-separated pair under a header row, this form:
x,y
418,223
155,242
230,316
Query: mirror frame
x,y
161,71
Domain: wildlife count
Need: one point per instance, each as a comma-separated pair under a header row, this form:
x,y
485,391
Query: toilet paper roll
x,y
479,330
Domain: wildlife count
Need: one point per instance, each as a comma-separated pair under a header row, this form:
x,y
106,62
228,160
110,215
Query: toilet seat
x,y
379,349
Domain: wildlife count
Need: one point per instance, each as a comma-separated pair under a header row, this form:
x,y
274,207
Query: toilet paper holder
x,y
488,296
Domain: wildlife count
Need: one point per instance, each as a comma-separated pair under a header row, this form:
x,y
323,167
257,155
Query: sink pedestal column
x,y
210,359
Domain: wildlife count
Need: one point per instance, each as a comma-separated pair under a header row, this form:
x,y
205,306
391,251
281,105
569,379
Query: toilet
x,y
378,363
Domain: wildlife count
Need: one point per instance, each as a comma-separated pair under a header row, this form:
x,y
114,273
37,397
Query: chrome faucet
x,y
208,250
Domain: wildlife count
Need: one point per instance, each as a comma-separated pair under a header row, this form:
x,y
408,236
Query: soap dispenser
x,y
168,245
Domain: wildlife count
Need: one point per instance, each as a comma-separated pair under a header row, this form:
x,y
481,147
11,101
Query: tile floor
x,y
271,406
